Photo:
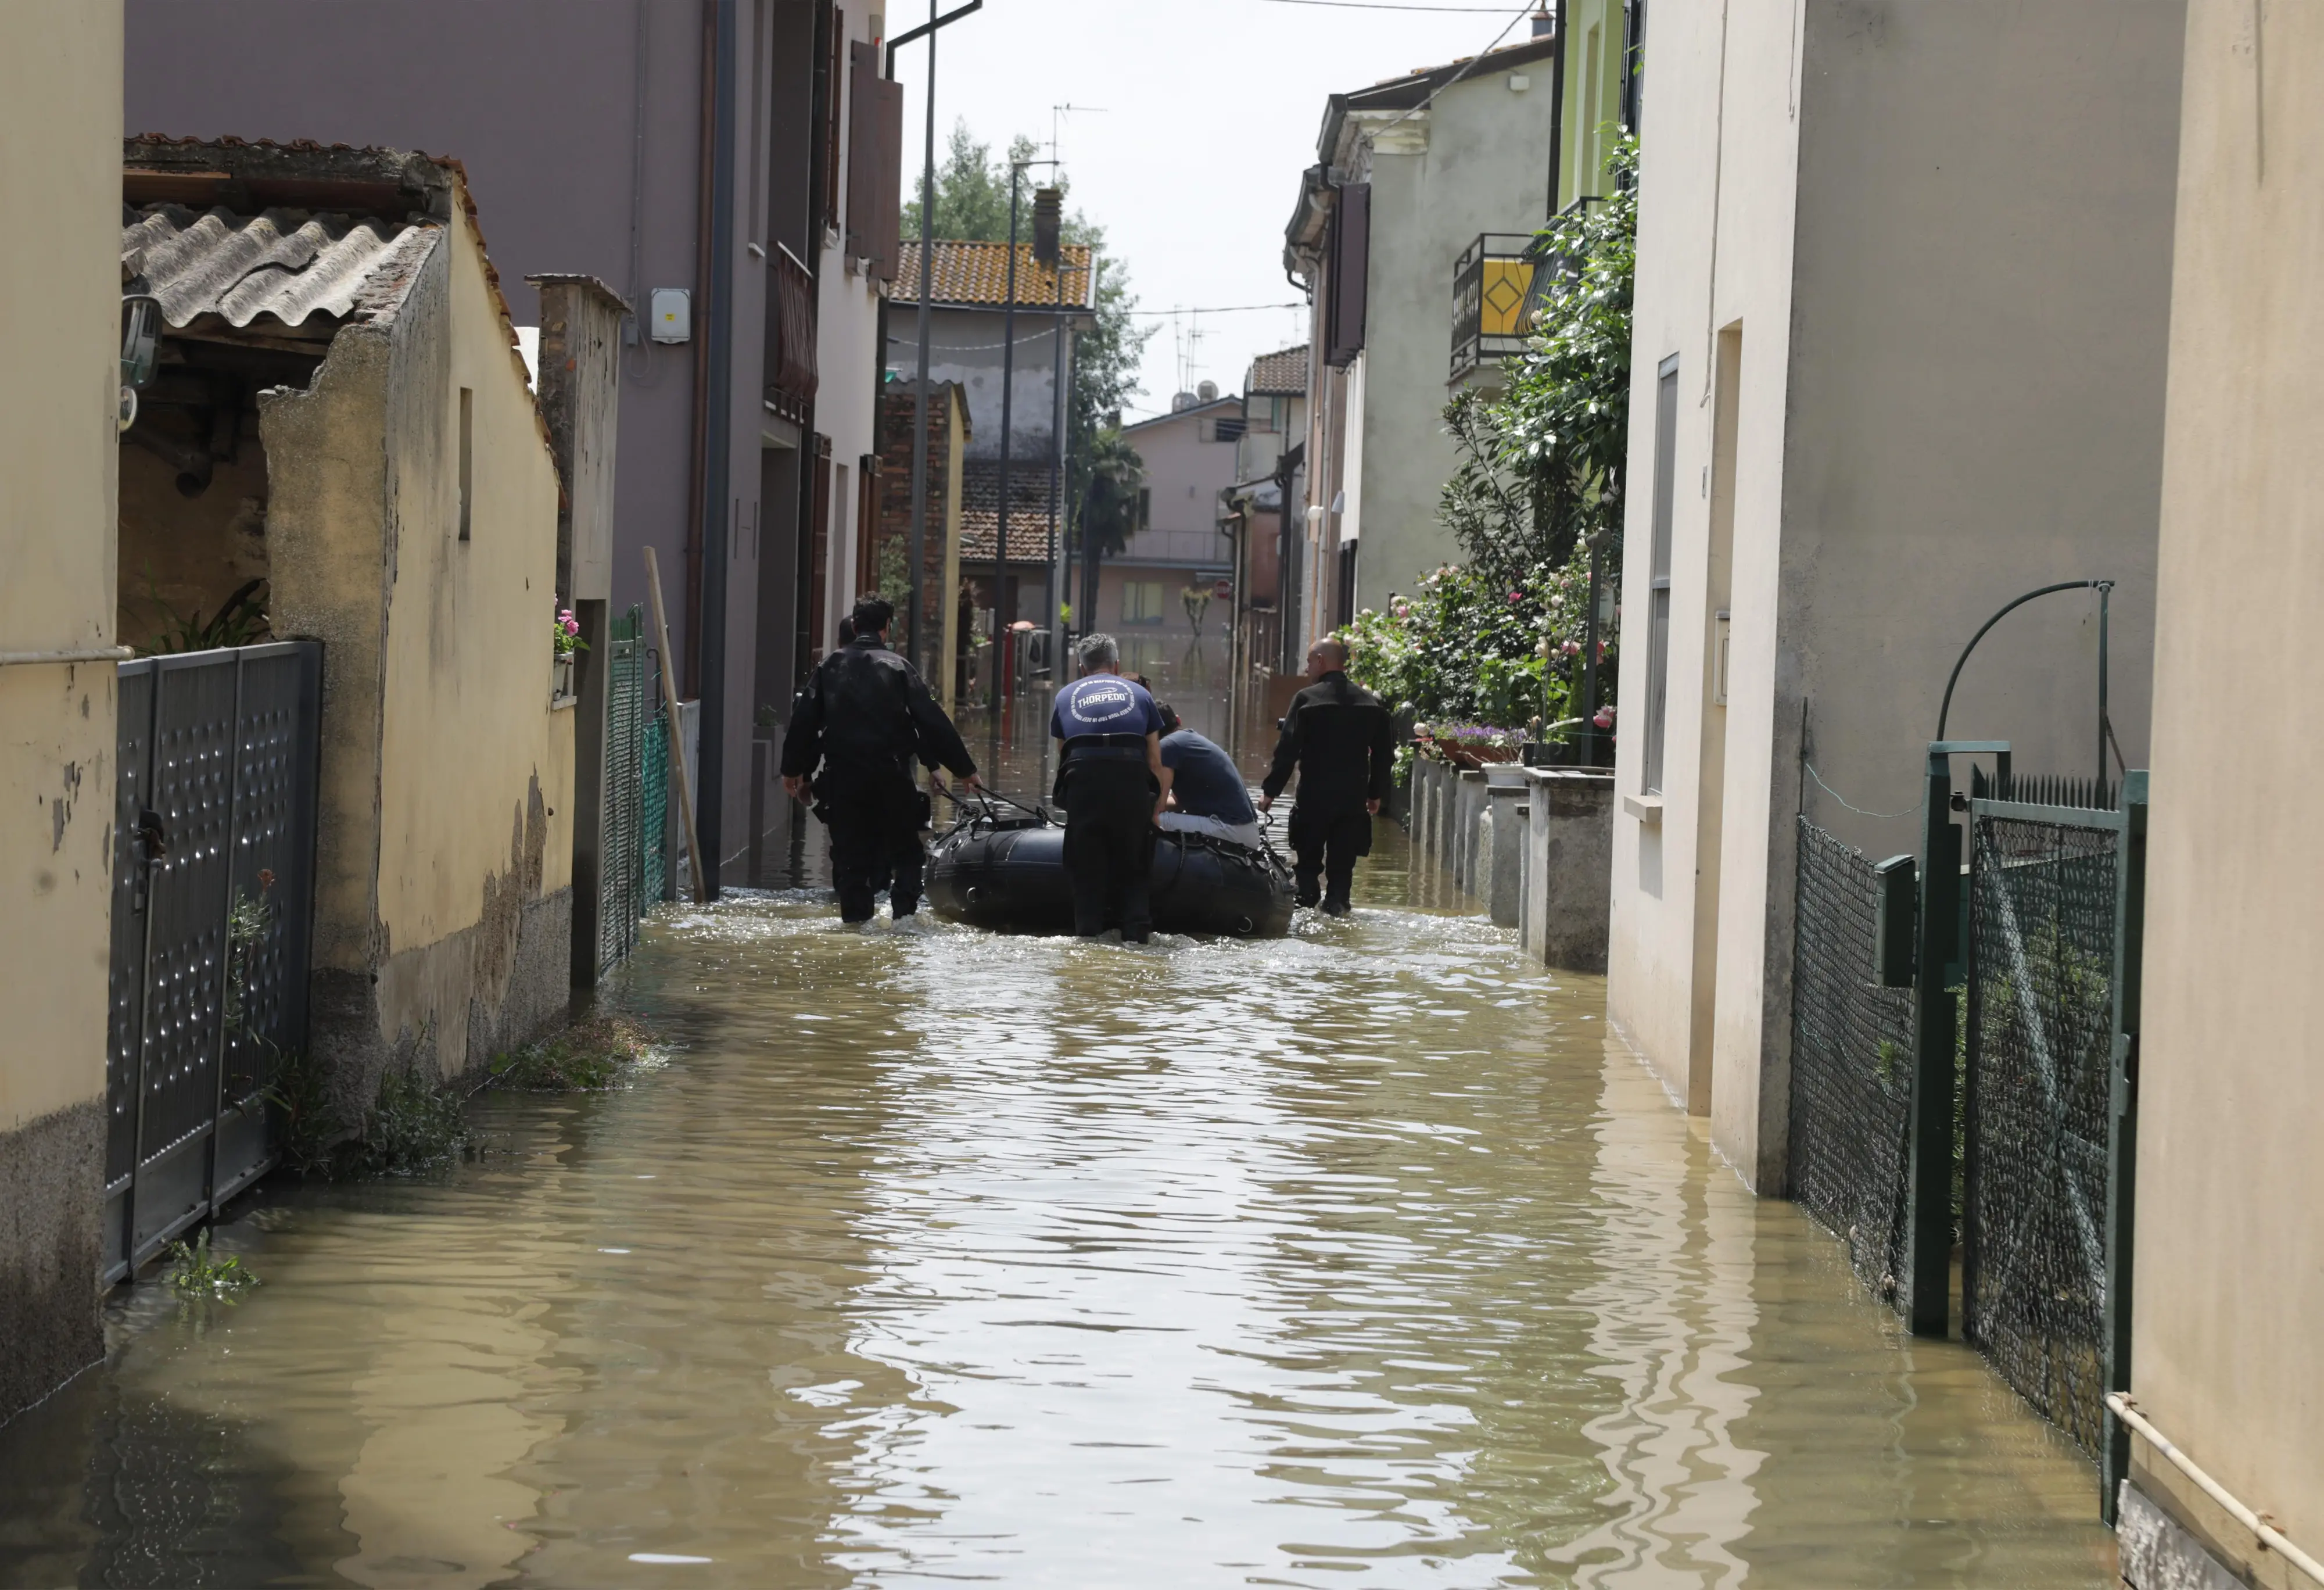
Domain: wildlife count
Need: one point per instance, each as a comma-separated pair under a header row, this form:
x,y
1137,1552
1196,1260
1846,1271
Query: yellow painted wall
x,y
59,342
2228,1305
445,801
466,724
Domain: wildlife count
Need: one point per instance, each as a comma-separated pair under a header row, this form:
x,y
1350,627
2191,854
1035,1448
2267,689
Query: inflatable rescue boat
x,y
1008,873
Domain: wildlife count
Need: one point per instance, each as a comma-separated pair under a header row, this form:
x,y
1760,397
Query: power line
x,y
1222,308
1388,5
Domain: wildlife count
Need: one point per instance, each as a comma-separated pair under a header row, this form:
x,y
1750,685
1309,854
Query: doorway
x,y
1711,785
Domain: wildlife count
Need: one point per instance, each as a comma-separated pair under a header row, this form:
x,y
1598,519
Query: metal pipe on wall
x,y
717,504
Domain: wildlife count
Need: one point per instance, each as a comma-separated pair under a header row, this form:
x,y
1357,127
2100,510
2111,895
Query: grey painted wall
x,y
966,346
1485,168
582,152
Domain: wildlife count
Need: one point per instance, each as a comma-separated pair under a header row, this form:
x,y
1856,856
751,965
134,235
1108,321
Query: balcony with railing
x,y
1499,284
1491,285
790,336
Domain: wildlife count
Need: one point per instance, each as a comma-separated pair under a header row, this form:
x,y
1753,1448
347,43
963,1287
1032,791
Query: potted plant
x,y
566,644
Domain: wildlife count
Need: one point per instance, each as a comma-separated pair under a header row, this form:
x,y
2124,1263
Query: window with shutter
x,y
833,58
1346,272
886,159
862,141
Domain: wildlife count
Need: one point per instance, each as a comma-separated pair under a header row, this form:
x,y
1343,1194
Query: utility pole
x,y
1007,396
918,625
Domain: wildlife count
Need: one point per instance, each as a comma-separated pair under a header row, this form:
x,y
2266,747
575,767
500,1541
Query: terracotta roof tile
x,y
979,512
1284,372
978,273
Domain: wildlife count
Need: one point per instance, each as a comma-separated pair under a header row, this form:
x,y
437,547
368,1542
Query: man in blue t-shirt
x,y
1207,792
1112,781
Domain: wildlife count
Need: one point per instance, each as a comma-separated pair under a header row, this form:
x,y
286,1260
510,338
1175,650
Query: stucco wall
x,y
445,842
1949,392
1475,160
59,339
965,345
2230,1279
1183,475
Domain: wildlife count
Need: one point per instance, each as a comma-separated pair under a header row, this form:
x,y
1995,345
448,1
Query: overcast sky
x,y
1204,113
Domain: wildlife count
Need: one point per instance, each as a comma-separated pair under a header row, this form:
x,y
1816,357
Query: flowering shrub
x,y
568,633
1459,651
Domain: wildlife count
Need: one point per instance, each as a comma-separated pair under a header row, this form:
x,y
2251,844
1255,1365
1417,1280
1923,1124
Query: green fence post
x,y
2122,1135
1928,1158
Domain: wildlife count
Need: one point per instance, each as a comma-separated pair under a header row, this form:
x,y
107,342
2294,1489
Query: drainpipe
x,y
690,679
718,430
1557,113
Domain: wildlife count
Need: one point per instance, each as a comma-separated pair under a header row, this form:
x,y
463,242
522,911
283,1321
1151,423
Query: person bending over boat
x,y
863,718
1112,781
1342,742
1207,794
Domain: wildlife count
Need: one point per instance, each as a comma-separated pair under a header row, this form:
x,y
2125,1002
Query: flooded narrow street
x,y
1359,1258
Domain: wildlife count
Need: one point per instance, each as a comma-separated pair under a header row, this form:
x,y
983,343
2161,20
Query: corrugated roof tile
x,y
285,263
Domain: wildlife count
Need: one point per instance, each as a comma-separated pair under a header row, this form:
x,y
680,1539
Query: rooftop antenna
x,y
1058,111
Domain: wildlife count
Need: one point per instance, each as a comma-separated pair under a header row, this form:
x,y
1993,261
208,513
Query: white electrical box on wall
x,y
671,314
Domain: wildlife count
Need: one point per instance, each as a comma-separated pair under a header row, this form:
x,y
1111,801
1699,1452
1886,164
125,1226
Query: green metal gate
x,y
633,875
2055,916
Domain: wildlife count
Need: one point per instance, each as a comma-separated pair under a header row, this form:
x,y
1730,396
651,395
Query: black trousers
x,y
875,843
1327,843
1110,846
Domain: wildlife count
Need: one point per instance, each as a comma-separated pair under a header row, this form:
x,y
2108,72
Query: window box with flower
x,y
566,647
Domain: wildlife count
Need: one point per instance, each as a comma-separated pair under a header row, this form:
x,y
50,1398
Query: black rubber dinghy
x,y
1010,873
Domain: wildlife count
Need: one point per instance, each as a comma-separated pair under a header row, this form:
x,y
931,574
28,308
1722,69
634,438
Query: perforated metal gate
x,y
213,889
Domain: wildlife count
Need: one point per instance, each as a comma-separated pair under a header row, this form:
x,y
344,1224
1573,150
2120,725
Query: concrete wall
x,y
445,842
59,373
1475,160
965,345
2230,1260
1923,421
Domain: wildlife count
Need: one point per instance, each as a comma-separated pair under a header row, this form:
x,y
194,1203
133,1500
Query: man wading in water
x,y
1112,780
1342,740
865,714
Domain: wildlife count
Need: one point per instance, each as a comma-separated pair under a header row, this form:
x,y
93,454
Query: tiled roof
x,y
979,512
978,273
284,263
1284,372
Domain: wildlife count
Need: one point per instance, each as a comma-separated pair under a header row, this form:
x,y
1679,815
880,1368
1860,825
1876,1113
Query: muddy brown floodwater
x,y
1358,1258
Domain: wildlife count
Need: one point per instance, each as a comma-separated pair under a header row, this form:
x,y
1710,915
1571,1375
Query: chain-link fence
x,y
2041,1038
634,872
1851,1064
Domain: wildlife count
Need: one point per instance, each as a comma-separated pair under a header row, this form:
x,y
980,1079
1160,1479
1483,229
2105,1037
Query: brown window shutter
x,y
887,178
835,60
1346,274
862,149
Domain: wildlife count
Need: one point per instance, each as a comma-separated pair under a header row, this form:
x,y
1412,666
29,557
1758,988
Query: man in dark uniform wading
x,y
1342,741
1111,777
865,714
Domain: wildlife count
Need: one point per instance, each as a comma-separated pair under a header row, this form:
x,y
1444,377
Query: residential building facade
x,y
1189,457
2229,1261
970,333
1408,173
1860,423
730,171
60,350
